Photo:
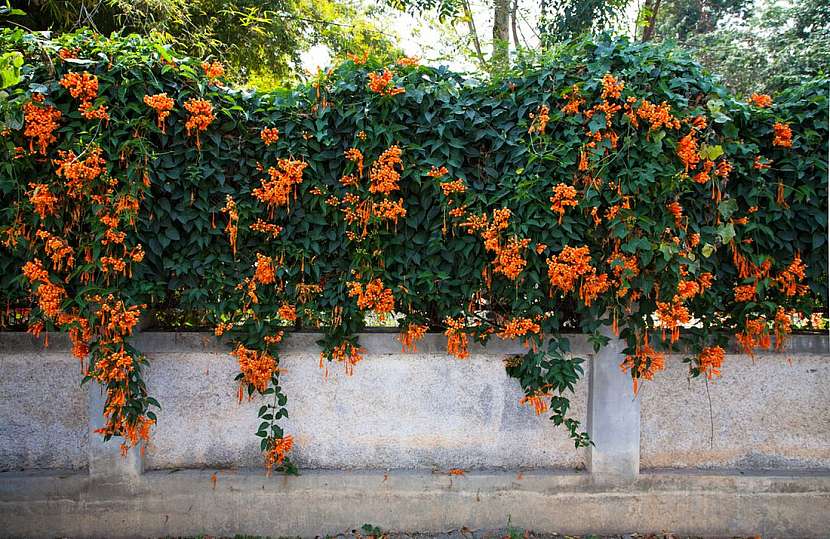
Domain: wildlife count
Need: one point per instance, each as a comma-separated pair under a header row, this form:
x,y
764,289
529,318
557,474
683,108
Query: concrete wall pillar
x,y
613,416
105,459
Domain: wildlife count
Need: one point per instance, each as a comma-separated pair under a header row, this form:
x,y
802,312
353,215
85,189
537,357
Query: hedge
x,y
608,183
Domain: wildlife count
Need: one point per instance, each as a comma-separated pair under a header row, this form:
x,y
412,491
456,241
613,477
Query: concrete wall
x,y
773,413
376,447
415,410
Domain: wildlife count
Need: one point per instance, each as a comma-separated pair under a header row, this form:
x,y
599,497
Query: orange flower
x,y
565,268
671,316
90,113
537,400
413,61
412,334
375,297
41,122
201,115
266,228
657,116
114,367
592,286
756,335
563,196
346,353
213,69
760,100
82,86
384,176
355,156
519,327
256,367
287,312
724,168
437,172
58,249
783,135
574,101
703,175
80,173
380,84
162,105
540,120
611,87
42,199
389,210
745,292
789,278
687,151
276,190
233,218
457,186
277,449
677,211
269,135
456,338
645,363
783,327
710,361
264,273
509,261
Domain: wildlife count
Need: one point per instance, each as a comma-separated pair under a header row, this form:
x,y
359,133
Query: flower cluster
x,y
382,84
201,115
40,121
162,105
269,135
374,297
277,188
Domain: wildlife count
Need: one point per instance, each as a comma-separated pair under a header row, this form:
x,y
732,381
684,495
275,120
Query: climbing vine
x,y
613,185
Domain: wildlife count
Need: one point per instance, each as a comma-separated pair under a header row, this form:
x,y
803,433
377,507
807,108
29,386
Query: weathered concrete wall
x,y
414,410
43,410
425,410
773,413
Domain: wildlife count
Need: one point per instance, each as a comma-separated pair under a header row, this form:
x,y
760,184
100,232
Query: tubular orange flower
x,y
783,135
760,100
677,211
264,273
256,367
233,218
687,151
269,135
611,88
213,70
565,268
383,175
412,334
783,327
437,172
574,101
563,196
756,335
672,316
412,61
287,312
114,367
276,452
346,353
710,361
82,86
162,105
449,188
374,297
276,189
90,113
41,122
657,116
539,121
509,261
537,400
790,277
271,230
382,84
745,292
355,156
80,173
456,338
201,115
519,327
592,286
42,199
645,363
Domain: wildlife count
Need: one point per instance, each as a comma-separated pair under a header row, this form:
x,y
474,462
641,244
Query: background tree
x,y
261,41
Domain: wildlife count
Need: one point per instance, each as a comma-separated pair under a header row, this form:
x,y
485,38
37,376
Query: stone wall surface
x,y
421,410
770,413
43,410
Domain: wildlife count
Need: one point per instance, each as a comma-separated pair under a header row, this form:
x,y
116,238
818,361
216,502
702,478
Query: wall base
x,y
188,502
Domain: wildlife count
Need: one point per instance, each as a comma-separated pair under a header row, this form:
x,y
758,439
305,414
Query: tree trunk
x,y
653,6
501,34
